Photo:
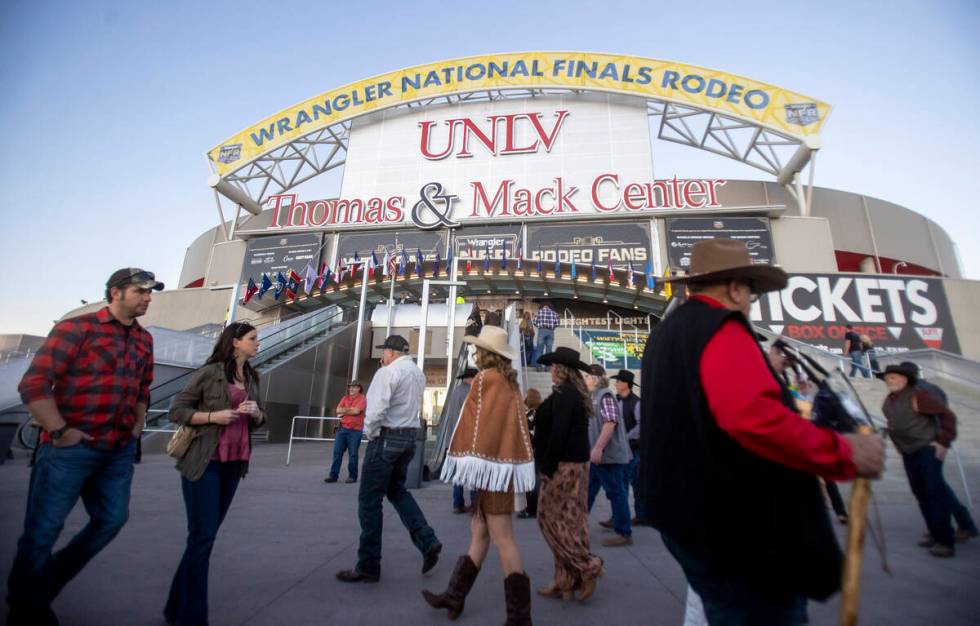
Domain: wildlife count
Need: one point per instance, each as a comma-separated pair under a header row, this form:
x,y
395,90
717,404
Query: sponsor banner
x,y
380,242
756,102
897,313
476,241
281,253
605,244
602,316
615,351
684,232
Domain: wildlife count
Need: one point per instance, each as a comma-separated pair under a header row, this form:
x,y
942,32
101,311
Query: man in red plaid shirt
x,y
89,388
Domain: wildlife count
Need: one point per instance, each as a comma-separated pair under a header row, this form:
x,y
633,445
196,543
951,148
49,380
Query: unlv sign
x,y
499,135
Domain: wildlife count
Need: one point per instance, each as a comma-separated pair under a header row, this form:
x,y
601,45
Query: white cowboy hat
x,y
493,339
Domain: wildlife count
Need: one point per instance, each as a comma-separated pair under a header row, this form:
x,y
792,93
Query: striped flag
x,y
612,275
469,258
373,264
250,290
355,266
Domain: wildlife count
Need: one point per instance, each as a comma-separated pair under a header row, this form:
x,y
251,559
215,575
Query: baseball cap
x,y
396,343
134,276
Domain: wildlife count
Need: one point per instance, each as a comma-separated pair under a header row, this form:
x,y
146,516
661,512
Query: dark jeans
x,y
925,474
612,478
730,602
528,356
458,501
857,364
960,513
350,440
633,478
206,501
102,478
546,337
383,474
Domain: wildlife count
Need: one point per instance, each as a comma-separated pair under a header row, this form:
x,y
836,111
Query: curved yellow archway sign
x,y
759,104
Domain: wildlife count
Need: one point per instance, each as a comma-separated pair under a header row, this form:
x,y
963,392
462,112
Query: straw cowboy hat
x,y
493,339
720,260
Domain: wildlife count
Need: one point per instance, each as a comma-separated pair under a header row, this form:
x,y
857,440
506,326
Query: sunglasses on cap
x,y
137,278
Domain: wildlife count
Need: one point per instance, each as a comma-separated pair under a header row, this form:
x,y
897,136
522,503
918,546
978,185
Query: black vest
x,y
629,408
753,519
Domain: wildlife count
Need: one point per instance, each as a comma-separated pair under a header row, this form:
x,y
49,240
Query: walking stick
x,y
857,517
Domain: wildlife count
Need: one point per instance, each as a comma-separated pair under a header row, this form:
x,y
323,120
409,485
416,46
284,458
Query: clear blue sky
x,y
108,107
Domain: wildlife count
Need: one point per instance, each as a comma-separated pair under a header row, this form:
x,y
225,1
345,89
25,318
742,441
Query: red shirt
x,y
355,421
746,402
96,369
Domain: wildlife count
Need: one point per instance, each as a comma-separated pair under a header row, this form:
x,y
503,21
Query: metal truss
x,y
320,151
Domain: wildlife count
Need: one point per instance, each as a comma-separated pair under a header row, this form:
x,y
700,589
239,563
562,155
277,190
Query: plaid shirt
x,y
608,409
546,318
96,370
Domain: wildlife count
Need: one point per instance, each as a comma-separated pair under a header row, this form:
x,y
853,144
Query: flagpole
x,y
391,301
451,324
360,322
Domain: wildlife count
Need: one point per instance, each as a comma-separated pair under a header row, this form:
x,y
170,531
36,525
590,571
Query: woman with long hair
x,y
561,453
222,403
527,337
490,451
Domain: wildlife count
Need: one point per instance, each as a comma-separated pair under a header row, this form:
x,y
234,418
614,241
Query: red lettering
x,y
277,199
633,196
565,198
509,131
690,192
470,127
393,208
612,178
548,140
311,214
539,205
713,191
424,147
480,196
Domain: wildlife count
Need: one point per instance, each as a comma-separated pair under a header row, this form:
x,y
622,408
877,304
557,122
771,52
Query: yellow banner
x,y
753,101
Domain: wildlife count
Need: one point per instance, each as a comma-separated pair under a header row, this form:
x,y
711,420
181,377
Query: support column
x,y
360,322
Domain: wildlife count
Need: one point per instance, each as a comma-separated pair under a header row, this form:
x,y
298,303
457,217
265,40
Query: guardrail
x,y
293,437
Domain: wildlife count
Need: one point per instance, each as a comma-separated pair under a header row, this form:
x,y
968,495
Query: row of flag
x,y
397,264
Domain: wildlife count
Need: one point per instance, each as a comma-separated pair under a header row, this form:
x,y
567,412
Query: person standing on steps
x,y
545,322
391,424
491,452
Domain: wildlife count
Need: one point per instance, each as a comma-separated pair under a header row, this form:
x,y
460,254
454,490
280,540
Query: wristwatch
x,y
56,434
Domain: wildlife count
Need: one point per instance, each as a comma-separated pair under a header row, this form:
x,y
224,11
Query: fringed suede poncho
x,y
490,448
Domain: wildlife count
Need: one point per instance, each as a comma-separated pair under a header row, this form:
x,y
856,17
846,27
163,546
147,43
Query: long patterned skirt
x,y
564,520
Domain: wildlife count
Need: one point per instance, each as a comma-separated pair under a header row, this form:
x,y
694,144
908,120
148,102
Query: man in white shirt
x,y
391,424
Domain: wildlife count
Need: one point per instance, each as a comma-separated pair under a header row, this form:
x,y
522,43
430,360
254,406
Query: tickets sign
x,y
897,313
758,103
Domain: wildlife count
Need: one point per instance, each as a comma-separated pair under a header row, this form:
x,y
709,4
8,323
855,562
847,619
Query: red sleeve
x,y
928,404
746,402
360,403
147,379
52,360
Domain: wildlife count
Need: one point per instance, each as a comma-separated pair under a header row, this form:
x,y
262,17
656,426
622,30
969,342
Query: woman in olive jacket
x,y
222,402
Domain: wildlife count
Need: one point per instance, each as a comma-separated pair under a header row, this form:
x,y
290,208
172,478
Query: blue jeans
x,y
925,473
350,440
383,474
546,337
730,602
458,501
857,364
102,478
206,501
633,478
612,478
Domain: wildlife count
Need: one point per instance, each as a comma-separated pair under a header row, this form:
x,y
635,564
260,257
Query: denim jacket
x,y
207,391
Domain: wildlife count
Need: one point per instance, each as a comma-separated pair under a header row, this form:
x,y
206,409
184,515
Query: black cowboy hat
x,y
625,376
908,372
721,260
564,356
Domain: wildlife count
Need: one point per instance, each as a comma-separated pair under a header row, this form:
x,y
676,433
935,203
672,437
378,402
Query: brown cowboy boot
x,y
517,591
460,583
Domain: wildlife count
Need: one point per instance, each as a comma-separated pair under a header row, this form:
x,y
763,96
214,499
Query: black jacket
x,y
561,430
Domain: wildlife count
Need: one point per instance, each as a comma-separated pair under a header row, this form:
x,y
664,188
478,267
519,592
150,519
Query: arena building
x,y
511,179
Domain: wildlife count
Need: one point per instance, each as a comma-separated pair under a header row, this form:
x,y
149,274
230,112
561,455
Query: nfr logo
x,y
499,136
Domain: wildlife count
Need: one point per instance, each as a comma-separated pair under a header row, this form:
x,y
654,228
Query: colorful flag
x,y
324,277
402,263
280,284
293,285
520,254
503,261
385,269
266,286
309,280
486,257
354,266
574,269
648,275
557,263
667,289
374,264
629,274
418,262
469,258
341,269
250,290
612,275
435,270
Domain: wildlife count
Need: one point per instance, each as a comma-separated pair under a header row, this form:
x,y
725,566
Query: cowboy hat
x,y
720,260
625,376
908,372
493,339
564,356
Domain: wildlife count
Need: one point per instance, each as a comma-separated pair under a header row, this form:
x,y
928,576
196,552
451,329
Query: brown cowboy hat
x,y
719,260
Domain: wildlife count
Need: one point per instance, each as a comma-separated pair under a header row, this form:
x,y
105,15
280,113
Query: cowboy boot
x,y
460,584
517,591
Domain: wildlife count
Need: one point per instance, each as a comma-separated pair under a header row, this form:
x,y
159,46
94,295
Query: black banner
x,y
392,241
281,253
684,232
479,239
620,242
897,313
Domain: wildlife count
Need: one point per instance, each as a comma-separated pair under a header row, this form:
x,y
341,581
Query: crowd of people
x,y
728,414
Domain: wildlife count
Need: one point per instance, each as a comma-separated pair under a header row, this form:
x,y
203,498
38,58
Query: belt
x,y
399,431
